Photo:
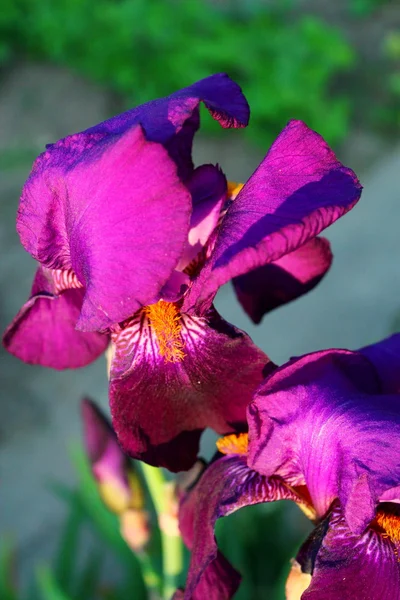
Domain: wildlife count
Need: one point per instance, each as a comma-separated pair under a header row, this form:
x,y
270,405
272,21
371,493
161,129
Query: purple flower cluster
x,y
132,244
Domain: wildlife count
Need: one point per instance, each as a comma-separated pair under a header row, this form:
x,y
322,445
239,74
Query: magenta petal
x,y
284,280
208,188
127,241
159,408
299,189
322,420
226,485
115,212
349,566
43,333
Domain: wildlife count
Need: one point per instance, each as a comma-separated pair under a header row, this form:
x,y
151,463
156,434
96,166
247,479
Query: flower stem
x,y
172,554
151,578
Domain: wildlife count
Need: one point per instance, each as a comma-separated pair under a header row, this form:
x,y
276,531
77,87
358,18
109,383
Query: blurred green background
x,y
289,60
333,64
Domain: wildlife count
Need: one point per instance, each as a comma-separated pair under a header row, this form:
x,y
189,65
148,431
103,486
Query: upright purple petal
x,y
174,120
322,420
299,189
284,280
226,485
348,566
43,332
161,402
385,356
119,218
208,188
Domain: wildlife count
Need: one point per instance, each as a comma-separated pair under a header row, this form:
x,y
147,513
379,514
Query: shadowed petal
x,y
173,121
299,189
349,566
160,407
208,188
43,332
226,485
284,280
322,420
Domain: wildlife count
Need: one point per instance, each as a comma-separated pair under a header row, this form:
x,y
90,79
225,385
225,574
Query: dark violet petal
x,y
299,189
175,287
160,407
284,280
173,121
225,486
349,566
43,333
321,420
208,188
385,356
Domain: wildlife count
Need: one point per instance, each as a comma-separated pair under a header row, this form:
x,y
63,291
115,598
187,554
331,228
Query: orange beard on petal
x,y
233,189
165,321
387,521
235,443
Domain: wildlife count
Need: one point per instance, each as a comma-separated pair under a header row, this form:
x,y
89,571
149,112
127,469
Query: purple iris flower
x,y
324,431
147,240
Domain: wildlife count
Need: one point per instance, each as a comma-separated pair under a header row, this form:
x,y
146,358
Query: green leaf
x,y
7,586
48,586
89,579
64,569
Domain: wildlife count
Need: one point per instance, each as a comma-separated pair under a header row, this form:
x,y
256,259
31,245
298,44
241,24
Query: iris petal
x,y
284,280
349,566
121,230
323,421
43,332
160,404
208,189
226,485
174,120
299,189
385,356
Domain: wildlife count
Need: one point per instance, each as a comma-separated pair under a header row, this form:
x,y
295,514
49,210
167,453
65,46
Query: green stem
x,y
172,554
150,577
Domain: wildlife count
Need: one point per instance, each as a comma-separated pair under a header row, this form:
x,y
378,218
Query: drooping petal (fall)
x,y
167,385
346,565
286,279
43,332
225,486
323,421
297,191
